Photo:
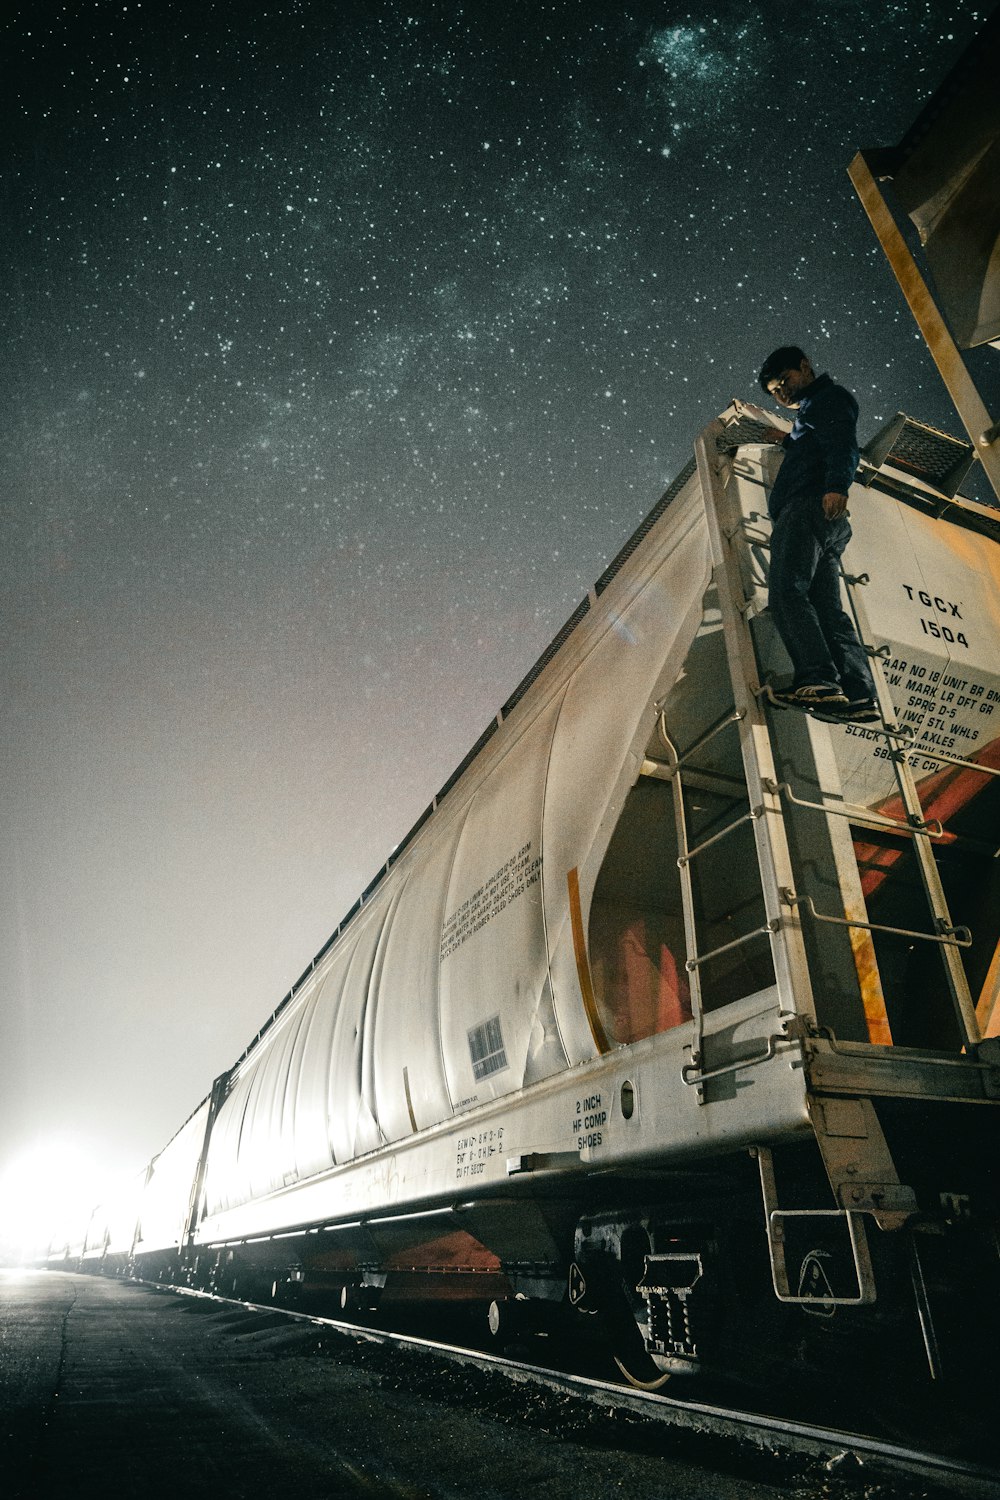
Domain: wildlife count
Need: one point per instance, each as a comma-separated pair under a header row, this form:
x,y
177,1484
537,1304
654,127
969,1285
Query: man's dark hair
x,y
788,357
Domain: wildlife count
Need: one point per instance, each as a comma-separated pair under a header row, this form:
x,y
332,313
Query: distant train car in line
x,y
673,1008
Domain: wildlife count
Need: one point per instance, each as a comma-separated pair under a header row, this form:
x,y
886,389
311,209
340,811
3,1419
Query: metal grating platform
x,y
745,430
935,458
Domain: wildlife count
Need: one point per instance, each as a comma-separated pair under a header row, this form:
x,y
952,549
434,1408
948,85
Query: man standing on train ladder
x,y
808,508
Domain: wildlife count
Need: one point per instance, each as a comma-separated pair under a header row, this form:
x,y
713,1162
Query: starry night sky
x,y
344,345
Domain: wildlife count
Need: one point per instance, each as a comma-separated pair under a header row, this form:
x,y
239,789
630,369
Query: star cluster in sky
x,y
345,345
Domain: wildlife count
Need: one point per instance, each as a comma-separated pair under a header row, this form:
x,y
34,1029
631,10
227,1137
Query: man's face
x,y
786,387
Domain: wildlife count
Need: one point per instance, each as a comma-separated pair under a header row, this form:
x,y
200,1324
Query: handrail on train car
x,y
947,935
933,828
692,1076
697,959
732,717
905,751
750,817
986,1056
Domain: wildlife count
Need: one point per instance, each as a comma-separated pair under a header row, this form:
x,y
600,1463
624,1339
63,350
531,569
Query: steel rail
x,y
866,1456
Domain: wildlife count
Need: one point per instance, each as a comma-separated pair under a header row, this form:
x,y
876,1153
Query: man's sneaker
x,y
812,695
853,711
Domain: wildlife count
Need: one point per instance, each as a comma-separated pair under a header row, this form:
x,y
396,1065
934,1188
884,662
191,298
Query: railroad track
x,y
828,1461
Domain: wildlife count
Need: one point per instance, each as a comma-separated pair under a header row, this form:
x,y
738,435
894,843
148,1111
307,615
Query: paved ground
x,y
118,1391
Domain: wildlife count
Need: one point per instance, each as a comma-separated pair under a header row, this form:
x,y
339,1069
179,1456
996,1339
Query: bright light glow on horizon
x,y
47,1196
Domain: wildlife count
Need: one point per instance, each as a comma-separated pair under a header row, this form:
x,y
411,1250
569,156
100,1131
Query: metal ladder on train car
x,y
945,934
899,741
768,795
949,936
694,1073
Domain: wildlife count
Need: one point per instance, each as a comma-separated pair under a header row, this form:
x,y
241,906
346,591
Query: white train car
x,y
99,1237
165,1205
674,1006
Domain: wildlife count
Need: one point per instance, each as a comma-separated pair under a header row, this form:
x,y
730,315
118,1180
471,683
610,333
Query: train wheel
x,y
358,1299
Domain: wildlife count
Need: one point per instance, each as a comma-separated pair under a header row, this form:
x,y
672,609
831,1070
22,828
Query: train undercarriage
x,y
735,1275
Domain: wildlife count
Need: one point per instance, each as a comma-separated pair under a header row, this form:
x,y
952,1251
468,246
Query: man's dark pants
x,y
805,603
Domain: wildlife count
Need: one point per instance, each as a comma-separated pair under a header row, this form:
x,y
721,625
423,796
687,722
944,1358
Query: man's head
x,y
786,373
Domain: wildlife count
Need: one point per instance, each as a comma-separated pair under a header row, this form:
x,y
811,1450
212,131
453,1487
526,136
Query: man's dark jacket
x,y
821,451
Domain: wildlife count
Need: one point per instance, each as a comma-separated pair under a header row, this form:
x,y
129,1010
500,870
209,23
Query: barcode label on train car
x,y
487,1049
